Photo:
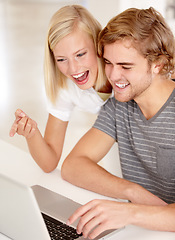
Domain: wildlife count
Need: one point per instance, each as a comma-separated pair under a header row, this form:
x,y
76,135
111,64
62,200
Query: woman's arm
x,y
46,150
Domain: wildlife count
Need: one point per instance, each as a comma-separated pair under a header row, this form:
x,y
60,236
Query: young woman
x,y
74,76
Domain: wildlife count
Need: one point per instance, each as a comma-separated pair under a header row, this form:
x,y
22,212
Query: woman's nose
x,y
73,66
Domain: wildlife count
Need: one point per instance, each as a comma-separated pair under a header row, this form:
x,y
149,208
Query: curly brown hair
x,y
148,32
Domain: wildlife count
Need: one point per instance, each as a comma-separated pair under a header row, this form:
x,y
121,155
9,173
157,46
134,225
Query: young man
x,y
138,49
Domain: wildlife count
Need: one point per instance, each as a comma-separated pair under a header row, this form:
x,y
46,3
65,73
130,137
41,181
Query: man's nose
x,y
114,74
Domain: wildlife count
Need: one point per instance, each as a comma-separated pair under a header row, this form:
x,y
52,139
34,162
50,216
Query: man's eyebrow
x,y
125,63
120,63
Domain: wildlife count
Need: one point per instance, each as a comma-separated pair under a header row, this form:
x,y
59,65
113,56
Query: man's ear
x,y
158,65
157,68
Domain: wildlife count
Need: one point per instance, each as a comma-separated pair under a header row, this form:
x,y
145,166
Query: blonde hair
x,y
63,22
148,32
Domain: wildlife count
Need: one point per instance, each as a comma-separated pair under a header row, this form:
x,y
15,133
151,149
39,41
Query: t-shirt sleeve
x,y
106,119
63,107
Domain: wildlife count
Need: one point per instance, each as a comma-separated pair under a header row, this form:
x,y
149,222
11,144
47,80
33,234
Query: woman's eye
x,y
106,62
81,54
61,60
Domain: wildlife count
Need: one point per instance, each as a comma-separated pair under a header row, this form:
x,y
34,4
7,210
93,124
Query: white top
x,y
86,100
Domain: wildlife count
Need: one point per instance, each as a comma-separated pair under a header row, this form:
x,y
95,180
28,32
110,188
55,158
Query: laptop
x,y
36,213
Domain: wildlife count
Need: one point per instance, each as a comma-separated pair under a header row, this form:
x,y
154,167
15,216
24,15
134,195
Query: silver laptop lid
x,y
20,217
60,207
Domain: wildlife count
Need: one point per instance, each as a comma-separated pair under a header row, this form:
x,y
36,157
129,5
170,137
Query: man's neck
x,y
157,96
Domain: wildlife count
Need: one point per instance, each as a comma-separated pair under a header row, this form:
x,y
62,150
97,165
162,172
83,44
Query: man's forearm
x,y
87,174
160,218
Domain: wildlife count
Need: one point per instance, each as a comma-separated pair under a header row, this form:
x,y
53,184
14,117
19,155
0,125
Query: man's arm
x,y
100,215
80,168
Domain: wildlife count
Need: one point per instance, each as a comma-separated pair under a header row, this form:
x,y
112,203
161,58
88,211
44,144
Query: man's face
x,y
127,71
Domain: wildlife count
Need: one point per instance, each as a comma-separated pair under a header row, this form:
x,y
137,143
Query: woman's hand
x,y
23,125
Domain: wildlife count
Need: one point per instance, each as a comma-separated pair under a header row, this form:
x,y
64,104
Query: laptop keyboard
x,y
58,230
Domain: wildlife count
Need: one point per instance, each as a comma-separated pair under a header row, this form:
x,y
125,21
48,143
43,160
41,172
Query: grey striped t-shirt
x,y
146,147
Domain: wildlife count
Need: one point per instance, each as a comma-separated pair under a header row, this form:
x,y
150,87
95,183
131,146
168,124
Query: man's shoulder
x,y
110,104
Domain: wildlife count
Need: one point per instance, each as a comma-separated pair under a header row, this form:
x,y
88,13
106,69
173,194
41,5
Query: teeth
x,y
78,75
120,85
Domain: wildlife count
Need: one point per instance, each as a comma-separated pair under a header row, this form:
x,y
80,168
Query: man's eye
x,y
126,68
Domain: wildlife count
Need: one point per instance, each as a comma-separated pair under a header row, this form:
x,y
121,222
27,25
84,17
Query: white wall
x,y
157,4
104,10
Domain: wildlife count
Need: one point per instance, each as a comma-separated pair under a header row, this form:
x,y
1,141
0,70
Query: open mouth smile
x,y
81,78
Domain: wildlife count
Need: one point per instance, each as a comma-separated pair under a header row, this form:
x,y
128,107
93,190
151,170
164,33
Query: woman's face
x,y
76,58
